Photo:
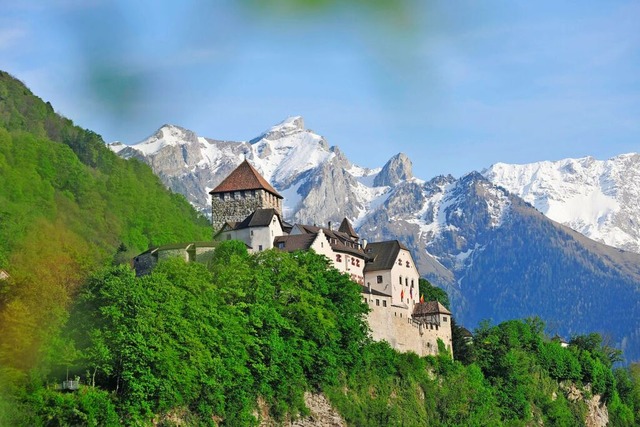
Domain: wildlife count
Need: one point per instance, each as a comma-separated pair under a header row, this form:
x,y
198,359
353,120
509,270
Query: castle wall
x,y
262,237
204,254
235,206
395,325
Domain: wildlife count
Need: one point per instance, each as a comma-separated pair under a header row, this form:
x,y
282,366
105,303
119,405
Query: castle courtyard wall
x,y
395,325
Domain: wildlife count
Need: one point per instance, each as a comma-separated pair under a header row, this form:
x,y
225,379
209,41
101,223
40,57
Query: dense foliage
x,y
207,341
205,344
68,206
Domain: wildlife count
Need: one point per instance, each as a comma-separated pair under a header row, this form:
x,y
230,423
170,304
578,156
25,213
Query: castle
x,y
246,207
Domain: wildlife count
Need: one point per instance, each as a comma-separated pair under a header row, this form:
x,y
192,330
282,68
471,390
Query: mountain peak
x,y
289,126
397,169
293,122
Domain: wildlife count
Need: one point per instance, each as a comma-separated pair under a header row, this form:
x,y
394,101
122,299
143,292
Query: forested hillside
x,y
68,206
246,336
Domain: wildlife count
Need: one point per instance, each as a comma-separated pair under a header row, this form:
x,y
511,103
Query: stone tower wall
x,y
235,206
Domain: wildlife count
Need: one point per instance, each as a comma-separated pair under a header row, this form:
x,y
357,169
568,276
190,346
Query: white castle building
x,y
246,207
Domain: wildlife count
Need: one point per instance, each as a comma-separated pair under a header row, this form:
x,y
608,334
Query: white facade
x,y
258,238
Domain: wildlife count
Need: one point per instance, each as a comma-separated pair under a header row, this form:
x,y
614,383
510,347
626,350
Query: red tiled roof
x,y
244,177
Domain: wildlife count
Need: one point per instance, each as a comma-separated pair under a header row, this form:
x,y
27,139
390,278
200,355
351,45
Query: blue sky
x,y
457,86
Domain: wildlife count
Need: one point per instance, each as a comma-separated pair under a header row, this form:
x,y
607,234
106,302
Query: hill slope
x,y
68,206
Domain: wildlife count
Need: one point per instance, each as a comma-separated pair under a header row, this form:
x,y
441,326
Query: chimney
x,y
329,226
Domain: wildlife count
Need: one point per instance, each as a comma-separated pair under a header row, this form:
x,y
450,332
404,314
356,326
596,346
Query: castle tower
x,y
241,193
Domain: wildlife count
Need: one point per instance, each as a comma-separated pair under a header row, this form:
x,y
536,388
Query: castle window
x,y
444,318
400,262
384,303
377,302
436,326
407,264
228,236
406,281
251,233
379,279
412,283
280,245
400,279
338,258
401,315
357,263
259,247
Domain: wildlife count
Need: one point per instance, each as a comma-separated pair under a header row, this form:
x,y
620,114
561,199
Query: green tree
x,y
433,293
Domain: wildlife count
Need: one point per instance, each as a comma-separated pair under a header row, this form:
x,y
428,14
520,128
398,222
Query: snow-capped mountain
x,y
496,255
312,176
598,198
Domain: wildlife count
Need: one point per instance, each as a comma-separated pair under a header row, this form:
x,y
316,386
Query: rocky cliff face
x,y
496,255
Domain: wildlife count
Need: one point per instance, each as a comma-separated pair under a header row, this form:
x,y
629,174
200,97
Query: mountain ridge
x,y
598,198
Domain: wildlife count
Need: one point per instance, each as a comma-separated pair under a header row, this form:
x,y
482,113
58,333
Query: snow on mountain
x,y
315,178
598,198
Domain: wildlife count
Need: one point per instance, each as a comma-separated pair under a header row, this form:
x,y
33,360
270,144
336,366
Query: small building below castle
x,y
190,251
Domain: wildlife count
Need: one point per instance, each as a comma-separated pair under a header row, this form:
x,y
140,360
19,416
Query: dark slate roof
x,y
429,308
244,177
286,227
345,227
368,291
339,241
383,255
258,218
296,242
